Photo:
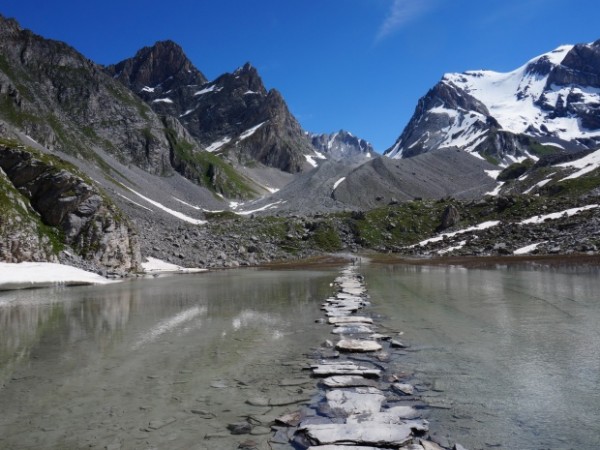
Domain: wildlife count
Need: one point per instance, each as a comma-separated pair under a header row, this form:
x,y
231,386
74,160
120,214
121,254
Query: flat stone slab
x,y
429,445
344,368
351,319
376,435
359,401
352,328
357,345
342,447
340,381
403,388
385,418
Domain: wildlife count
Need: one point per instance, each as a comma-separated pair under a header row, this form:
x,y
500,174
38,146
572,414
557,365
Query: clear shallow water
x,y
93,367
514,352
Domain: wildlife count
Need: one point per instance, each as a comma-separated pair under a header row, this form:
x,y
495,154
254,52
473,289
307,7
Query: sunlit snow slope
x,y
553,99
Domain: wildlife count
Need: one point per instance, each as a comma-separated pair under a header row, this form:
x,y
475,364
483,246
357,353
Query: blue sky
x,y
360,65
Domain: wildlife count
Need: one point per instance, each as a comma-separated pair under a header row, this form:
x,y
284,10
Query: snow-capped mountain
x,y
342,145
553,99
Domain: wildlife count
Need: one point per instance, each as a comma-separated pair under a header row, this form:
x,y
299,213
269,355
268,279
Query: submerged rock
x,y
356,345
348,381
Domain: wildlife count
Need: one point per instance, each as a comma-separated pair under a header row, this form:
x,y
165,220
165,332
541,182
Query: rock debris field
x,y
364,400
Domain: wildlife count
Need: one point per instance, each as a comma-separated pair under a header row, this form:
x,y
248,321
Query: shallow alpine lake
x,y
508,357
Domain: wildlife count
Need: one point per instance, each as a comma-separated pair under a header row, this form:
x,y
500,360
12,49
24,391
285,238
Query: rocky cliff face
x,y
234,115
342,146
66,102
87,221
552,103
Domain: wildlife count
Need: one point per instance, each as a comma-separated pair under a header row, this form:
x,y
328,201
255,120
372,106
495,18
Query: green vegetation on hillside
x,y
208,170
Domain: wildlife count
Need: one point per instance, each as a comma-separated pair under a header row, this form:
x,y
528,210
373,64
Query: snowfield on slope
x,y
41,274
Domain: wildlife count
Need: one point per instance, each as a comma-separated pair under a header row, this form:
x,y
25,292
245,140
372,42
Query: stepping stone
x,y
357,345
403,388
352,328
340,381
352,319
387,418
397,344
376,435
348,368
360,401
428,445
342,447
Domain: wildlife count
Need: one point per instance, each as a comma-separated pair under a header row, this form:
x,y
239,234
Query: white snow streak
x,y
169,210
251,131
337,183
162,100
585,165
212,88
481,226
528,248
135,203
263,208
218,144
557,215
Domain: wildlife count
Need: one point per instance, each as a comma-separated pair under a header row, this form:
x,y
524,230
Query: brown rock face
x,y
89,222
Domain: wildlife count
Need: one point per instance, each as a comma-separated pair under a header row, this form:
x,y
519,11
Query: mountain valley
x,y
104,166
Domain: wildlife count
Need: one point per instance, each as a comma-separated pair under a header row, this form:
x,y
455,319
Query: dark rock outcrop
x,y
88,221
233,115
66,102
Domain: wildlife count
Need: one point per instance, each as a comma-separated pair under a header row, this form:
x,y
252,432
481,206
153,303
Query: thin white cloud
x,y
401,13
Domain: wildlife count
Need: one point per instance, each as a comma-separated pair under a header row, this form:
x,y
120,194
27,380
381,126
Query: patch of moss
x,y
543,150
326,238
574,187
515,170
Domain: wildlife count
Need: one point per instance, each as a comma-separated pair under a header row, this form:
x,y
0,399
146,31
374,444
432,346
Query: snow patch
x,y
496,190
493,173
154,265
218,144
169,210
337,183
528,248
39,274
135,203
557,215
460,245
263,208
539,185
585,165
162,100
212,88
251,131
187,204
481,226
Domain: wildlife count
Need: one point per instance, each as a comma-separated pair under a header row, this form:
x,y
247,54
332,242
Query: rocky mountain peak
x,y
8,26
232,114
552,100
164,64
342,145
